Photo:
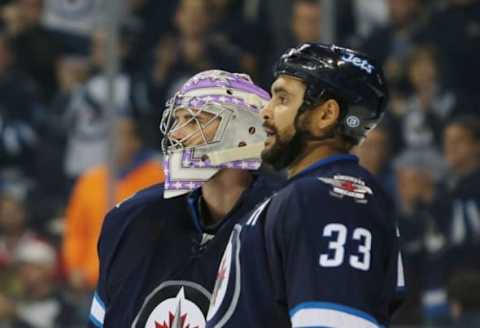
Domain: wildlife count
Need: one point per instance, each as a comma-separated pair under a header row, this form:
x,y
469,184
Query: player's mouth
x,y
271,133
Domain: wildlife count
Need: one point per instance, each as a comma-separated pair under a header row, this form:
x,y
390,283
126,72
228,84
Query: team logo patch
x,y
174,304
348,186
353,121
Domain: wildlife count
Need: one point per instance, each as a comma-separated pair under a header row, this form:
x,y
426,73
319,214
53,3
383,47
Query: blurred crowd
x,y
54,177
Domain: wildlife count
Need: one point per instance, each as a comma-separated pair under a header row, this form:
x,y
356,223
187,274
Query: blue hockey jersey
x,y
322,252
158,262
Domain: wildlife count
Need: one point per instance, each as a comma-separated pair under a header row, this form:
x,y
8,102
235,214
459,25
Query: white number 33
x,y
360,261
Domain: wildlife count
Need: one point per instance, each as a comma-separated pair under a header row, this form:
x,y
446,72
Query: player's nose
x,y
266,112
177,134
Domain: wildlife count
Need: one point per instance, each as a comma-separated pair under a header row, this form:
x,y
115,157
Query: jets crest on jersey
x,y
174,304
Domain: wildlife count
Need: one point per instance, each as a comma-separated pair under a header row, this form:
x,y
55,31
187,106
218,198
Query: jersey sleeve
x,y
113,227
115,253
334,260
99,304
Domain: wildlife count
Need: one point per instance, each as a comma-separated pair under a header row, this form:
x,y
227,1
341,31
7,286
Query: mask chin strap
x,y
234,154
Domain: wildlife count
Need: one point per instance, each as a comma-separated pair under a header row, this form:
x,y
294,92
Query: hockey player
x,y
323,251
160,249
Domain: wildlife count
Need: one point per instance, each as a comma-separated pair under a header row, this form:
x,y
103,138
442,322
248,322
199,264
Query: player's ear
x,y
325,115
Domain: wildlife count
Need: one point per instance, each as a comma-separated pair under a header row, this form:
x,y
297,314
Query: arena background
x,y
83,84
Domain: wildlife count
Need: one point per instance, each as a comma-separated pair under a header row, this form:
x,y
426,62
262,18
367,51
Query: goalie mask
x,y
212,122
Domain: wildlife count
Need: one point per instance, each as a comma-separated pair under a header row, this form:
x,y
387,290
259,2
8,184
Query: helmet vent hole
x,y
204,158
229,92
242,144
251,130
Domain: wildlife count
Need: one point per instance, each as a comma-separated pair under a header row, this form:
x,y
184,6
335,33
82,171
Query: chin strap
x,y
235,154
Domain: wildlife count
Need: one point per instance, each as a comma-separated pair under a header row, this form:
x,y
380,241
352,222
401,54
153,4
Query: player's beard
x,y
284,151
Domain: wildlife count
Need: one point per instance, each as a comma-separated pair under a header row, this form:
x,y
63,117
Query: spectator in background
x,y
49,197
71,73
375,155
86,123
35,49
418,173
369,15
180,55
306,21
244,24
391,43
72,22
458,211
40,304
88,203
430,105
153,20
455,31
18,112
131,87
98,56
85,120
305,25
464,299
14,232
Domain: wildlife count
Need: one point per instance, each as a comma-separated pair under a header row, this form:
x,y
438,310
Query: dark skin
x,y
279,117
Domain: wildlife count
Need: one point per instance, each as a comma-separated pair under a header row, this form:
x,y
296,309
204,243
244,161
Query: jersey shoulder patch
x,y
347,186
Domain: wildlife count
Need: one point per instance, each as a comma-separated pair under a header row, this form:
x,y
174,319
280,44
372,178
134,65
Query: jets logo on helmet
x,y
361,63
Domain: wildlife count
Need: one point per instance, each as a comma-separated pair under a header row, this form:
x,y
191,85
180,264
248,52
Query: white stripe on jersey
x,y
400,273
253,219
328,316
97,311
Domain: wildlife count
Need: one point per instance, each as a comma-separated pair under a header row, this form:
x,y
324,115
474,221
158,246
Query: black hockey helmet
x,y
350,77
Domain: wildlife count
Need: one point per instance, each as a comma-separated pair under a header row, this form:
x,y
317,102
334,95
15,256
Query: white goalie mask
x,y
212,122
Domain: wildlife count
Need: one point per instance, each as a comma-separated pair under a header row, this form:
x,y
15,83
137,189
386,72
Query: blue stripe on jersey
x,y
95,321
333,306
97,311
99,300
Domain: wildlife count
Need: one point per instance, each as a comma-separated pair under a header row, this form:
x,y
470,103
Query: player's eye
x,y
282,99
182,119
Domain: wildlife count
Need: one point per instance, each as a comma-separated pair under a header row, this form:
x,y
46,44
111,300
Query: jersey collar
x,y
193,201
326,161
